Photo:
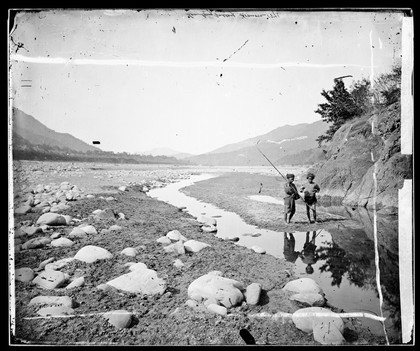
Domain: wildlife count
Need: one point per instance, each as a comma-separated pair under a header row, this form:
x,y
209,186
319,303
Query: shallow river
x,y
347,278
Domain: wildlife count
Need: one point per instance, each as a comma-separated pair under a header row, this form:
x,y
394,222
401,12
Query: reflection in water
x,y
289,248
349,257
358,262
309,255
341,260
338,263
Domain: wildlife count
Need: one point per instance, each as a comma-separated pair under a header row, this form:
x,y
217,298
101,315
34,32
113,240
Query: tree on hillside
x,y
387,88
340,107
362,95
343,105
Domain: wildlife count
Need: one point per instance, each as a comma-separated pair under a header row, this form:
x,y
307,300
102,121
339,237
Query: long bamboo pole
x,y
296,192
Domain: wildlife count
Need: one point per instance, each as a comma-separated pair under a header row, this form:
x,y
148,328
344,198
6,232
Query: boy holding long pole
x,y
289,200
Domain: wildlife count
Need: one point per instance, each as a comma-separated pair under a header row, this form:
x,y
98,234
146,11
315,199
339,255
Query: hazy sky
x,y
189,80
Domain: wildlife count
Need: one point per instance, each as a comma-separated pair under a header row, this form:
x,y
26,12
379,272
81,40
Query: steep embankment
x,y
361,147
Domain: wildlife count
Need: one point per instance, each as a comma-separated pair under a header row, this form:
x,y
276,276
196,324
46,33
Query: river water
x,y
340,261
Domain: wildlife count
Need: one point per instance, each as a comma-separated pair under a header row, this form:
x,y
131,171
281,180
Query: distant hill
x,y
182,155
280,135
27,128
166,151
32,140
294,144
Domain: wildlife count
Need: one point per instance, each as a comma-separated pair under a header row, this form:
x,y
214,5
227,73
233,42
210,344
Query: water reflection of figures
x,y
308,255
289,248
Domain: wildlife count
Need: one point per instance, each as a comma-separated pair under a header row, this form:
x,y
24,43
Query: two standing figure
x,y
308,255
309,191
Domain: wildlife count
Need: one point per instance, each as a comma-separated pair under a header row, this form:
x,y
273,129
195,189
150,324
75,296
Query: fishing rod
x,y
295,191
319,232
270,161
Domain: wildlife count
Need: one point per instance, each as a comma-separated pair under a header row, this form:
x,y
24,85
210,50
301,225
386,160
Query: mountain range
x,y
28,130
289,144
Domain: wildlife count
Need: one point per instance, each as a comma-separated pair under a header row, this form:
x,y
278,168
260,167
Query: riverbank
x,y
350,257
158,320
239,192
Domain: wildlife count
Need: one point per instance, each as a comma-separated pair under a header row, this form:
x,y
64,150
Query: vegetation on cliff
x,y
343,105
366,144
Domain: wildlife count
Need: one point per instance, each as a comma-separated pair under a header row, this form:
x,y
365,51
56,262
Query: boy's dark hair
x,y
310,175
290,175
309,269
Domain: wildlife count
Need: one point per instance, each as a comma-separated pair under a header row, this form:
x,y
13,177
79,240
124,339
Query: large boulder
x,y
23,209
105,214
195,246
51,219
115,228
24,274
137,266
327,333
119,318
129,251
43,204
164,240
55,235
91,253
77,233
69,219
309,299
252,294
305,318
142,280
36,243
45,262
30,200
303,285
57,265
258,249
59,208
209,228
177,248
217,309
62,242
45,209
88,229
175,235
76,283
56,311
53,300
211,286
18,232
50,279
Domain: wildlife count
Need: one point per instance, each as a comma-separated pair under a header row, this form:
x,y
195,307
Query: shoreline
x,y
142,227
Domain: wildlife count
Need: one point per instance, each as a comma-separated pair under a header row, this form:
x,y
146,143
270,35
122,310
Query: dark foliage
x,y
343,105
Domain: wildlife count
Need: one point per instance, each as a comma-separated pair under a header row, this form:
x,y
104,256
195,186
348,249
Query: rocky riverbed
x,y
97,261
